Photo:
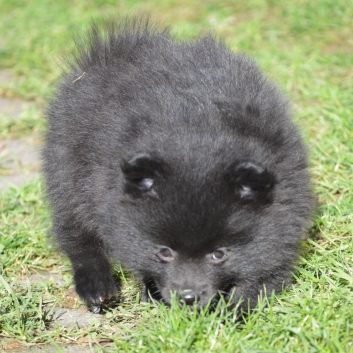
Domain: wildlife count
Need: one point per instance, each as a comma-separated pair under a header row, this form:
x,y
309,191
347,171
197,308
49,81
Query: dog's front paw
x,y
94,283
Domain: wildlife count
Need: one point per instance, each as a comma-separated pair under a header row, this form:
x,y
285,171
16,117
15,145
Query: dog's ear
x,y
253,183
141,172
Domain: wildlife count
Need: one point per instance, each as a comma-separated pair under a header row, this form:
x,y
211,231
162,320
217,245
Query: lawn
x,y
304,45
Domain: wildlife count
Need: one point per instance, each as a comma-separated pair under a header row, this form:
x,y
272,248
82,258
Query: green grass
x,y
304,45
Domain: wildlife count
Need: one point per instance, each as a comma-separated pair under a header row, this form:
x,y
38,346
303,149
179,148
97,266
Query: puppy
x,y
179,160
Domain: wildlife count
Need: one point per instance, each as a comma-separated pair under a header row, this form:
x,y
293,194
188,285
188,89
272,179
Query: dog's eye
x,y
165,252
218,256
165,255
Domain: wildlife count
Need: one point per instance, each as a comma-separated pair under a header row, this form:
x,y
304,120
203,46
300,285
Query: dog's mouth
x,y
225,295
228,293
153,293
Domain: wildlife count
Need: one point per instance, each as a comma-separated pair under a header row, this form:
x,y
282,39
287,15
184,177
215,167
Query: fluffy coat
x,y
178,160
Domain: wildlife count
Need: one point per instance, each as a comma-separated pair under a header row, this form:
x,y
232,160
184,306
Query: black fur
x,y
179,160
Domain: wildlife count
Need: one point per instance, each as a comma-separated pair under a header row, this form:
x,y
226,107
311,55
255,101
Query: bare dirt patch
x,y
19,158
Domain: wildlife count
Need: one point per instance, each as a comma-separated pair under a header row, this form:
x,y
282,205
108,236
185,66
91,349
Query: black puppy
x,y
179,160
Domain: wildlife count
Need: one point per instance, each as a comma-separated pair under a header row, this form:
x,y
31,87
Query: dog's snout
x,y
188,297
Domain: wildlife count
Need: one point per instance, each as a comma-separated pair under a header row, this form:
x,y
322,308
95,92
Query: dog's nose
x,y
188,297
